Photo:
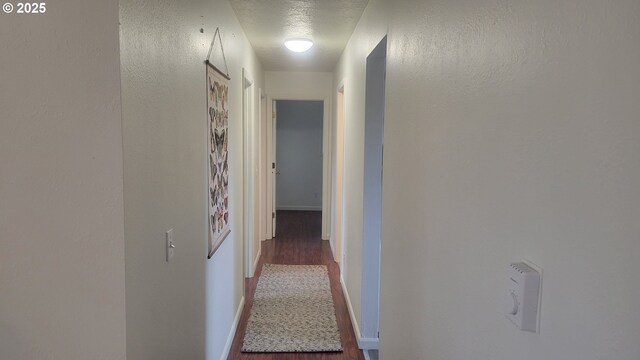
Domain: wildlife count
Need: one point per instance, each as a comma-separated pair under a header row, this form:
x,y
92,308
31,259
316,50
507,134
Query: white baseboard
x,y
333,251
255,262
363,343
299,207
354,323
366,355
369,343
232,333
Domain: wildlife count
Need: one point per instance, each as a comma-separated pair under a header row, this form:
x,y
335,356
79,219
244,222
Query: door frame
x,y
337,184
262,167
274,171
326,158
249,164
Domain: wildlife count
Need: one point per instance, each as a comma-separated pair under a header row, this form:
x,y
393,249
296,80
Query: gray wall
x,y
299,155
62,282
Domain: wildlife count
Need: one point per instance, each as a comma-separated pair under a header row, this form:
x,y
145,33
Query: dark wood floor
x,y
298,242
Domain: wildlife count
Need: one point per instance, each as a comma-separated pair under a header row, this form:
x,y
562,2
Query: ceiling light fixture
x,y
298,45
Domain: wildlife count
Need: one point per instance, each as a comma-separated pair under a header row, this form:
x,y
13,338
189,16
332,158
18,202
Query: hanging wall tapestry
x,y
218,152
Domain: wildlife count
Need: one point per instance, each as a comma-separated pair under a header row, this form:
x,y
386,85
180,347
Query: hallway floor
x,y
298,242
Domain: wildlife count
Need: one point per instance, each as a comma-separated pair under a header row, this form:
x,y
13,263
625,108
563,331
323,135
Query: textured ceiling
x,y
329,23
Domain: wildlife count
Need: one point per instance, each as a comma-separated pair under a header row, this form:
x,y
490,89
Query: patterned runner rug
x,y
292,311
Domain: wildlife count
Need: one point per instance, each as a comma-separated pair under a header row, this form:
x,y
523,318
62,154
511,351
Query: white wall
x,y
285,85
185,308
511,131
351,73
298,85
62,282
299,155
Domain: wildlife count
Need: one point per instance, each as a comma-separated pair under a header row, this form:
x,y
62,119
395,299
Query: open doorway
x,y
313,165
372,193
299,156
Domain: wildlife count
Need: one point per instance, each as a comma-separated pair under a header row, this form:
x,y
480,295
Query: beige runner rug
x,y
292,311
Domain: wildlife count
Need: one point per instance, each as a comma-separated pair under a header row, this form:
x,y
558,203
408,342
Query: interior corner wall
x,y
62,281
511,132
351,73
184,308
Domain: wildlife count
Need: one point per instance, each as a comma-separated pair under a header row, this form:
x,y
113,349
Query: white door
x,y
274,169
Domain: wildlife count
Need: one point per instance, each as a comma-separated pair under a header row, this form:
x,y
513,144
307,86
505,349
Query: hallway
x,y
298,242
511,134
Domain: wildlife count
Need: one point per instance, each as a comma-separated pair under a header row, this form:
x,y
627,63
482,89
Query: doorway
x,y
372,196
273,103
299,157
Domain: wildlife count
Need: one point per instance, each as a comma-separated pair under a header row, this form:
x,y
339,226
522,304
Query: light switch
x,y
522,298
170,245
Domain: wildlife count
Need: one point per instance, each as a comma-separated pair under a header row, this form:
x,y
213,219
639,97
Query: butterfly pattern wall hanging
x,y
218,154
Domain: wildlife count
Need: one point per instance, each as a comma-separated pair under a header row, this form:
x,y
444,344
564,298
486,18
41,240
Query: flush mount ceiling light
x,y
298,45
